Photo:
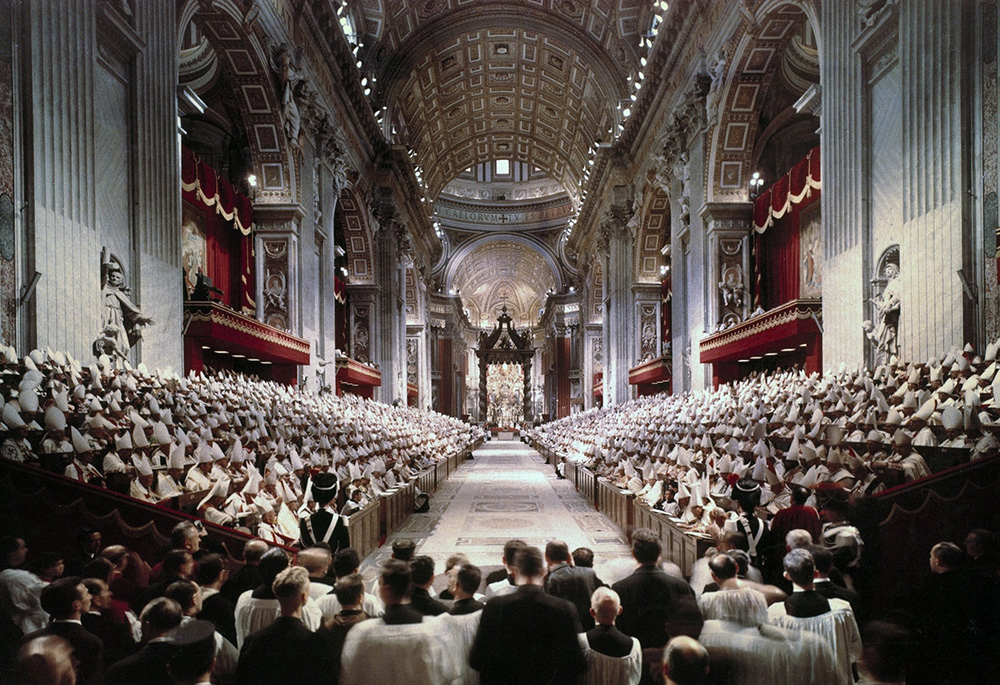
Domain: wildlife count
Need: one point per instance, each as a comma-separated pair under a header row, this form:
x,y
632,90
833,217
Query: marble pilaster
x,y
619,327
727,225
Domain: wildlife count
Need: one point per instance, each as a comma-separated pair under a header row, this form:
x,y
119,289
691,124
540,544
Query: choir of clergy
x,y
243,449
850,431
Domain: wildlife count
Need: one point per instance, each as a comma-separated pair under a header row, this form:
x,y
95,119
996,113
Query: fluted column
x,y
619,328
844,194
937,237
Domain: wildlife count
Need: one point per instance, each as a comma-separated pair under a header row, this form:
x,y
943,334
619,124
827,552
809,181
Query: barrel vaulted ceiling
x,y
497,273
536,81
465,82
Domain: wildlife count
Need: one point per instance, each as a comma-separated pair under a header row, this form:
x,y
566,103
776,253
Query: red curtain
x,y
779,262
776,237
228,230
791,190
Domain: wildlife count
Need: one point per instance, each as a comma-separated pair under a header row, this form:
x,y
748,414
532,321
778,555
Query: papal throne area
x,y
461,342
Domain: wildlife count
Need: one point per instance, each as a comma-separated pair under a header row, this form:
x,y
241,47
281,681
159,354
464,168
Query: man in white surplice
x,y
612,656
399,648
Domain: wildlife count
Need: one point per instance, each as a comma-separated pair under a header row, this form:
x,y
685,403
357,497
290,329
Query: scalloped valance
x,y
201,180
791,189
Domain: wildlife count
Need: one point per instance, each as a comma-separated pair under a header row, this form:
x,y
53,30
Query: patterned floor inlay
x,y
506,492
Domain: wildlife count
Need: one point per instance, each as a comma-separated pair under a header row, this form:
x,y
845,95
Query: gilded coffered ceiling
x,y
501,272
536,81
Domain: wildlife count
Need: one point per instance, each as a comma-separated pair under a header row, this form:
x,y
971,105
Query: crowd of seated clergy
x,y
848,433
231,449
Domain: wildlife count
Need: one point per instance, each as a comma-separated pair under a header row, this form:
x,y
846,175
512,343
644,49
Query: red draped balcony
x,y
651,376
357,378
790,333
219,337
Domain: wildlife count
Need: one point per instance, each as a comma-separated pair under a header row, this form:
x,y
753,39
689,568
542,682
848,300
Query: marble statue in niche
x,y
884,332
121,320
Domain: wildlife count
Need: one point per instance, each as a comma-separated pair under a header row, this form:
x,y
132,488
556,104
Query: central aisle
x,y
506,492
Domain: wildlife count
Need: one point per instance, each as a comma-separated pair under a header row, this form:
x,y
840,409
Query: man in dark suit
x,y
116,635
804,602
247,578
88,548
422,570
216,607
528,636
569,582
466,583
823,559
324,525
649,595
149,665
285,651
66,600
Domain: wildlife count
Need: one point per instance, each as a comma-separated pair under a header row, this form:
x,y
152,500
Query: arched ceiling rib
x,y
498,271
536,81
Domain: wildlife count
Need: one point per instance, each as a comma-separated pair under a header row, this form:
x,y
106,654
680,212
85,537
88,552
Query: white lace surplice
x,y
601,668
836,627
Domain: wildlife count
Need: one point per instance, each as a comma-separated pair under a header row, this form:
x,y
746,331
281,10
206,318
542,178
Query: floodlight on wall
x,y
756,185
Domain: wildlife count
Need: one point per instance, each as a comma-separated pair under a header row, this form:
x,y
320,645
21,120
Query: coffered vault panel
x,y
502,272
504,94
606,22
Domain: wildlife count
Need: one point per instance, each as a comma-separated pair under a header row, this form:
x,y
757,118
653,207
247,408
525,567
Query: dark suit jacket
x,y
333,637
831,590
575,584
283,652
528,637
648,597
117,637
147,666
247,578
87,649
220,611
465,606
609,641
401,614
421,600
498,575
806,604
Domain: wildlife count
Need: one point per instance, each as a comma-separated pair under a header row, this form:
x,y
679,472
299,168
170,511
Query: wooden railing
x,y
679,546
627,513
34,500
616,504
394,508
363,527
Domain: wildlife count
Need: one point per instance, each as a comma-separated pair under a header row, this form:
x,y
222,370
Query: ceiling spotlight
x,y
252,180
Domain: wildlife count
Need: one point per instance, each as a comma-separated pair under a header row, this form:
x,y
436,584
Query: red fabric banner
x,y
199,180
230,254
792,189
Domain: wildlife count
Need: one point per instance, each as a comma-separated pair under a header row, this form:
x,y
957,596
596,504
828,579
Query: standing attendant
x,y
325,524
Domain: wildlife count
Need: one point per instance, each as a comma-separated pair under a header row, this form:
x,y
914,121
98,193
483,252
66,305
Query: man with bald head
x,y
46,660
685,662
317,560
612,656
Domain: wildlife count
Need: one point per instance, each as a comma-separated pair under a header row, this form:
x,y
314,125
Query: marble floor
x,y
507,491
